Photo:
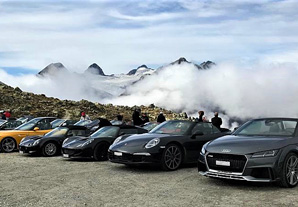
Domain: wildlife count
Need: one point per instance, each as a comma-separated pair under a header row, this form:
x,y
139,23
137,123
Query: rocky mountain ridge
x,y
24,103
95,69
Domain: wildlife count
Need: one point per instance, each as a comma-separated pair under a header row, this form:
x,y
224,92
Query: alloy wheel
x,y
8,145
172,157
50,149
292,170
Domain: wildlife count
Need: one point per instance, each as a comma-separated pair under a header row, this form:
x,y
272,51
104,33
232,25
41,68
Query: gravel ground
x,y
38,181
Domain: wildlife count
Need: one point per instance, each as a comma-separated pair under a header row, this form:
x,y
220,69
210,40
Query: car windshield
x,y
28,125
57,123
83,122
172,127
149,126
108,131
268,127
58,132
22,119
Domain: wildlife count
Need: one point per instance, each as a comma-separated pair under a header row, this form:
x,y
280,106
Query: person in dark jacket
x,y
136,118
216,121
145,118
161,118
201,114
2,116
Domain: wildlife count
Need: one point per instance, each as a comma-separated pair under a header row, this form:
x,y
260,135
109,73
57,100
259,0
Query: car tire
x,y
49,149
171,157
289,173
101,152
8,144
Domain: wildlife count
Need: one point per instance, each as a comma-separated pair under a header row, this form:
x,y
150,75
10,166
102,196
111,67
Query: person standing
x,y
201,114
136,118
2,116
216,121
161,118
145,118
7,114
84,116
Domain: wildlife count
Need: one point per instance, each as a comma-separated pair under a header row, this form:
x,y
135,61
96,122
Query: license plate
x,y
223,163
21,152
118,153
66,155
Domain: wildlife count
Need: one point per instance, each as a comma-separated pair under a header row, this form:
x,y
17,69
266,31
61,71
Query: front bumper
x,y
77,152
134,158
29,149
254,170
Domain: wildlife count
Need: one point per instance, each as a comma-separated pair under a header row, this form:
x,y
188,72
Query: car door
x,y
44,126
194,144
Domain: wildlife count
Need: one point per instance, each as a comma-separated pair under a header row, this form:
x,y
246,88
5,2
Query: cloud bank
x,y
265,90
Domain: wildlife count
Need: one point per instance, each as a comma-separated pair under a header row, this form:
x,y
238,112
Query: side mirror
x,y
196,133
36,129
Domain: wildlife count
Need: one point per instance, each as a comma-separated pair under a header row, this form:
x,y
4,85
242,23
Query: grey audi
x,y
261,150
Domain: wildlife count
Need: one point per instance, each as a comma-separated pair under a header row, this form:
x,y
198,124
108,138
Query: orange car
x,y
9,140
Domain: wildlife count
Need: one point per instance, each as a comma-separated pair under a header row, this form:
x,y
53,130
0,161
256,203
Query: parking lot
x,y
39,181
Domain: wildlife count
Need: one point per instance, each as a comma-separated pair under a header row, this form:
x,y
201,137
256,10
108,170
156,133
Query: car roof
x,y
277,118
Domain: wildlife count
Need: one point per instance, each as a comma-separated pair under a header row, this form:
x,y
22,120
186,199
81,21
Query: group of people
x,y
139,119
5,115
216,120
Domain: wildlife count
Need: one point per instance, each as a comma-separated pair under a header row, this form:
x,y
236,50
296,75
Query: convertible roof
x,y
75,127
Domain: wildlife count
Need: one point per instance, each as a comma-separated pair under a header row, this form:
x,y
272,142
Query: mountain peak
x,y
142,66
95,70
140,70
206,65
53,69
180,60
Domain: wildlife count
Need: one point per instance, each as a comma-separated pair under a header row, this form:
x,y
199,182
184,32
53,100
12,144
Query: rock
x,y
17,89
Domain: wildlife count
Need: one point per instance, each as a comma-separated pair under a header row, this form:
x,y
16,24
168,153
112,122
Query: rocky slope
x,y
24,103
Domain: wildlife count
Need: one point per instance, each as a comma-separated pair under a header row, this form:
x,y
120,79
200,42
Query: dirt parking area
x,y
38,181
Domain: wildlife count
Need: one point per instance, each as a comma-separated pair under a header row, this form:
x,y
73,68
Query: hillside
x,y
24,103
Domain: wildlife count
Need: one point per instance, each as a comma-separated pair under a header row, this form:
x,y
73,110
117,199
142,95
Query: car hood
x,y
74,141
136,142
232,144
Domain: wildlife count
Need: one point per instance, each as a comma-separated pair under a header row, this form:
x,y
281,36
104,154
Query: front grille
x,y
237,162
68,151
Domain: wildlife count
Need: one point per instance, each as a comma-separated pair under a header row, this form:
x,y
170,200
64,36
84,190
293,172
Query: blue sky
x,y
120,35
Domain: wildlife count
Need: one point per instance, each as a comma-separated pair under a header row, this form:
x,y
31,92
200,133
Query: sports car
x,y
261,150
9,140
9,124
50,144
96,146
170,144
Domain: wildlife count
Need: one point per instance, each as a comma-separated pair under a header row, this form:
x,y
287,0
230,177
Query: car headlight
x,y
152,143
117,140
64,141
22,140
269,153
203,150
36,142
86,143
